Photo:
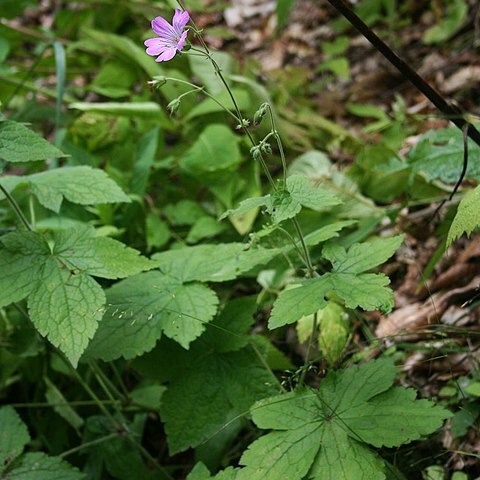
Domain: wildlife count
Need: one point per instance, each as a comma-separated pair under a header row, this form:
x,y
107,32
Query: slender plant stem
x,y
117,375
252,141
294,243
118,425
85,445
243,125
218,71
15,208
311,270
75,403
106,384
92,394
199,88
267,366
31,206
279,142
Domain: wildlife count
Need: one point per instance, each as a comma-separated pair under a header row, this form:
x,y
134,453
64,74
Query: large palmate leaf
x,y
20,144
347,280
22,258
98,256
83,185
325,434
144,306
65,302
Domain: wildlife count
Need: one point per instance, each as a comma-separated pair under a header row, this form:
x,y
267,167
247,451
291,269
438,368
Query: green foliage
x,y
287,203
347,280
64,301
177,353
467,218
13,435
226,385
325,434
213,383
439,156
203,70
20,144
29,466
455,15
217,144
333,332
283,11
144,306
212,263
200,472
83,185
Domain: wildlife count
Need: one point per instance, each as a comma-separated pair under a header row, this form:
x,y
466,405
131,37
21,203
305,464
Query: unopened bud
x,y
256,153
157,81
260,113
266,148
174,105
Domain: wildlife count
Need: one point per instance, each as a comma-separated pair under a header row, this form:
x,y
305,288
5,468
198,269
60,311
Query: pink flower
x,y
170,37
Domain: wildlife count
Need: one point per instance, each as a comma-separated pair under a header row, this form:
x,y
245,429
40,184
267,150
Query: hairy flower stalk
x,y
172,38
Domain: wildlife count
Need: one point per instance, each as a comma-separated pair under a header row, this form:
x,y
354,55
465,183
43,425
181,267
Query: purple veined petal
x,y
180,20
155,46
150,42
166,55
181,42
162,28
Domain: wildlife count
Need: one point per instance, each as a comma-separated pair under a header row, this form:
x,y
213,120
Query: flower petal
x,y
155,46
162,28
180,19
166,55
181,42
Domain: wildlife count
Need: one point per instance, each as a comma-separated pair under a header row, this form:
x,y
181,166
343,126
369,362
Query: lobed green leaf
x,y
142,307
467,218
323,433
13,435
20,144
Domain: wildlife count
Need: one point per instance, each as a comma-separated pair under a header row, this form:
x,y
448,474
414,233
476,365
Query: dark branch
x,y
451,112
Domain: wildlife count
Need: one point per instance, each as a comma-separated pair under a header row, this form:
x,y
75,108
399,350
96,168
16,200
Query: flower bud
x,y
260,113
174,105
266,148
256,153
